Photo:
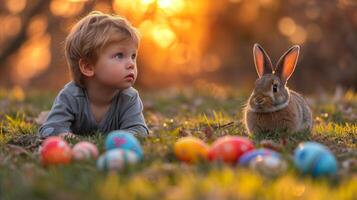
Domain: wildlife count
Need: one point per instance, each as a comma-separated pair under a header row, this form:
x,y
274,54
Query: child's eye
x,y
119,55
133,56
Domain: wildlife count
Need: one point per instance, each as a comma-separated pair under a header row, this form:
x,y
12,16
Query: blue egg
x,y
315,159
247,157
123,140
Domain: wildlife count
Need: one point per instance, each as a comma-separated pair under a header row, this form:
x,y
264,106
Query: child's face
x,y
116,65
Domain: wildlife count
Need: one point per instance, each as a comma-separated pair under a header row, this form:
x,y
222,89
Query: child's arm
x,y
59,118
132,119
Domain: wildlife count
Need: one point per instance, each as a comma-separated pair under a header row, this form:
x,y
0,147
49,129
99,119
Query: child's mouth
x,y
130,77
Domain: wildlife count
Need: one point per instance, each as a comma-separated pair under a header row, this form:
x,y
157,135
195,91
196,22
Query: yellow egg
x,y
191,149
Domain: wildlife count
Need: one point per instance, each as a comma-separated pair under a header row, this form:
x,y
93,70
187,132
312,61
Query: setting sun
x,y
163,36
174,6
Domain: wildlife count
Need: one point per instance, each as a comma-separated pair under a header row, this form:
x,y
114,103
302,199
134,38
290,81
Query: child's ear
x,y
86,67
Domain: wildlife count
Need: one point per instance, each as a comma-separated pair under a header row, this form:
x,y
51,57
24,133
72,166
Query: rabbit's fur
x,y
272,106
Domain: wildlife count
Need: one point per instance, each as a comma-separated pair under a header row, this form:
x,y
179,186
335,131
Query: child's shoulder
x,y
130,92
73,89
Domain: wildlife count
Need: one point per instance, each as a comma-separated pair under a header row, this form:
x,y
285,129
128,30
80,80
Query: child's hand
x,y
67,135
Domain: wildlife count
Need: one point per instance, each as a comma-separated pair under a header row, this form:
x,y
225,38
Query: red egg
x,y
55,151
229,149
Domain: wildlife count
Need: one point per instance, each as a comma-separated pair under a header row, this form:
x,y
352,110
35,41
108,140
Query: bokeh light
x,y
182,40
15,6
287,26
66,8
32,59
171,6
163,36
299,35
37,26
11,25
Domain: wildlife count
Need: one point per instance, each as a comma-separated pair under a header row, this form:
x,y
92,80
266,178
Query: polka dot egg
x,y
55,151
229,149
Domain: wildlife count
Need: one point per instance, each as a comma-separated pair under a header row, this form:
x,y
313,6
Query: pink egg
x,y
229,149
84,151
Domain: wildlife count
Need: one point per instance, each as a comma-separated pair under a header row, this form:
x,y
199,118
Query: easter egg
x,y
117,159
268,165
123,140
229,149
315,159
247,157
55,151
84,151
191,149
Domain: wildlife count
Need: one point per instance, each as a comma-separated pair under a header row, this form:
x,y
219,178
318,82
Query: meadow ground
x,y
207,113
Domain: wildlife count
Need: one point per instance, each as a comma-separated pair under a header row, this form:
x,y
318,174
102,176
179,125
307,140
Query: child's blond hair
x,y
89,36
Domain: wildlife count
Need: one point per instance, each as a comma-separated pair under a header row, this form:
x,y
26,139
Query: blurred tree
x,y
184,41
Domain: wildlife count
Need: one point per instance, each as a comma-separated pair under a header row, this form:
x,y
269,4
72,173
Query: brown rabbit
x,y
272,106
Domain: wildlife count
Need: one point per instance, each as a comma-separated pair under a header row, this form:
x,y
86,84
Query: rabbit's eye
x,y
275,88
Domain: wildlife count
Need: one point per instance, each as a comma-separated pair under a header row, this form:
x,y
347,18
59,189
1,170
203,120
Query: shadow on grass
x,y
287,139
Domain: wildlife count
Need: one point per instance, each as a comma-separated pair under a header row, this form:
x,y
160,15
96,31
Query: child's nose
x,y
131,64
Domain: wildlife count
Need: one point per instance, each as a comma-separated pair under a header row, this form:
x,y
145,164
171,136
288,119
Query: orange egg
x,y
191,149
229,149
55,151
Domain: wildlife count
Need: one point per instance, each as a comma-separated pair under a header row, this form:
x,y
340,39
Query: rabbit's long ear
x,y
286,64
261,60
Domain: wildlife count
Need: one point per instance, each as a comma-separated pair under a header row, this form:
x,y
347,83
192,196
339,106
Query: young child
x,y
101,51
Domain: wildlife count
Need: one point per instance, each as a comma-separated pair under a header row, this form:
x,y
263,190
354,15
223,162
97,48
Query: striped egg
x,y
84,151
117,159
315,159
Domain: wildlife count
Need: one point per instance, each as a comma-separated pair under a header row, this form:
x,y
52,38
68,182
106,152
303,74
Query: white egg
x,y
269,165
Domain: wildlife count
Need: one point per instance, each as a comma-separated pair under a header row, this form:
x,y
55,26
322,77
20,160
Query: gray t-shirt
x,y
71,113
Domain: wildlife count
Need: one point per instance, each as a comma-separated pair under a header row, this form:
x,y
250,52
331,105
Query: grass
x,y
208,112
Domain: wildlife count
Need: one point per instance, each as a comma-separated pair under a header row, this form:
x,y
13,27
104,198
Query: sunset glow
x,y
179,39
163,36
